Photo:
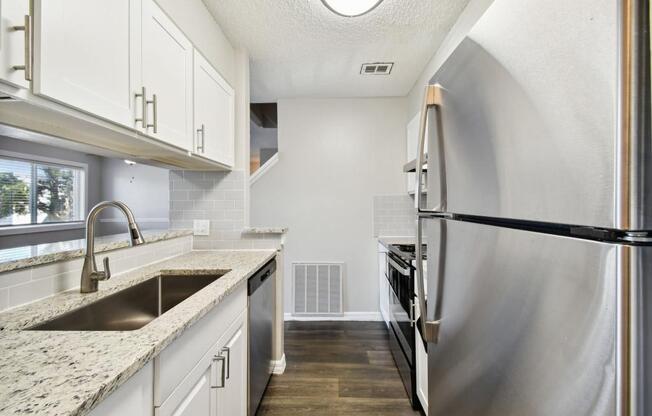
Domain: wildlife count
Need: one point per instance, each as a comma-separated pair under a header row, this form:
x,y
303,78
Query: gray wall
x,y
94,188
145,189
335,155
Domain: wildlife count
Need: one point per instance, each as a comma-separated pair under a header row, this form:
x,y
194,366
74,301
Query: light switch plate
x,y
201,227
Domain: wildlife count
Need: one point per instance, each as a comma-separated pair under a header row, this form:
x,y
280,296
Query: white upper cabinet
x,y
120,66
167,77
214,113
87,55
15,54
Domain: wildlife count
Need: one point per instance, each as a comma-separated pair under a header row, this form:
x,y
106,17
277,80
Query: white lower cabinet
x,y
134,398
201,399
232,399
383,284
202,373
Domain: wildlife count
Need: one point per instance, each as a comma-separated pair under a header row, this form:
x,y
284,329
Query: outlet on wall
x,y
201,227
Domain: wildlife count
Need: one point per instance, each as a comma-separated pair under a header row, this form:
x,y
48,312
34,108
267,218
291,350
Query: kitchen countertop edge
x,y
135,351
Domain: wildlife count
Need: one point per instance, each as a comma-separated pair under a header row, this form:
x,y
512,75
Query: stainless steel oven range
x,y
401,274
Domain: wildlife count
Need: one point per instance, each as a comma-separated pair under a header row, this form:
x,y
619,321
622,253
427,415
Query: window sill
x,y
40,228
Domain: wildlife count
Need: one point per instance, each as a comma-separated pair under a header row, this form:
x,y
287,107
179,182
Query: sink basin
x,y
131,308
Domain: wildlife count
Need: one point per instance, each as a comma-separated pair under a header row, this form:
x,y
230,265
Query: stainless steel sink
x,y
131,308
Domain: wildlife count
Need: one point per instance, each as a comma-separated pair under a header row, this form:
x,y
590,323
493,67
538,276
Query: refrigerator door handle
x,y
432,97
429,328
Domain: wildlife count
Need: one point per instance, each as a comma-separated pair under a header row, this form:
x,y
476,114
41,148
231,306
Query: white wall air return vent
x,y
377,68
317,289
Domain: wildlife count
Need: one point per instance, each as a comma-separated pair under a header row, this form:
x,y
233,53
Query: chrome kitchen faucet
x,y
90,275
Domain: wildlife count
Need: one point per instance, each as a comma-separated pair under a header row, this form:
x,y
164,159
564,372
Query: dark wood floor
x,y
336,368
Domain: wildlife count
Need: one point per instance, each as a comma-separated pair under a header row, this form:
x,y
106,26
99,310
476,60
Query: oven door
x,y
402,325
401,343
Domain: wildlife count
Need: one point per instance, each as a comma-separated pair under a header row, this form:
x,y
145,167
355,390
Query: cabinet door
x,y
232,399
167,73
87,55
201,399
383,285
214,113
12,41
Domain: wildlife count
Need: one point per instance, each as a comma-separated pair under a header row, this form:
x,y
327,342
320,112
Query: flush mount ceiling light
x,y
351,8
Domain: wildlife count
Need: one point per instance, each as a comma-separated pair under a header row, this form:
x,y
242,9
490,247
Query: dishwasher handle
x,y
259,278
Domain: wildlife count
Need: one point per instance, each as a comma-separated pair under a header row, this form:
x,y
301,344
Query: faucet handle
x,y
107,271
104,274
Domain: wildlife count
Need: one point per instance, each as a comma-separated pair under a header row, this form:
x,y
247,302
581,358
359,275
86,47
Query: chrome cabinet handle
x,y
221,359
154,103
143,107
201,133
203,138
27,28
227,350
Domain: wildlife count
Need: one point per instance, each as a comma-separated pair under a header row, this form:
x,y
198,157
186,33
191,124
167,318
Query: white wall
x,y
334,156
465,22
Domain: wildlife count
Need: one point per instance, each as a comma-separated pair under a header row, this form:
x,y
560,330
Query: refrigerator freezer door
x,y
528,323
527,123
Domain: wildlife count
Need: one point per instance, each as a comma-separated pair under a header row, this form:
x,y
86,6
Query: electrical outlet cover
x,y
201,227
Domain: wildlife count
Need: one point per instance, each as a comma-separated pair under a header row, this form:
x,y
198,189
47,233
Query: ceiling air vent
x,y
377,68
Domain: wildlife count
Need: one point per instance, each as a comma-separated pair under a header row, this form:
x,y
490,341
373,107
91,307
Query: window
x,y
41,191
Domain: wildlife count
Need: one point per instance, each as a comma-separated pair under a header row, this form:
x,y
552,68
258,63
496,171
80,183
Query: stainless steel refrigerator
x,y
538,215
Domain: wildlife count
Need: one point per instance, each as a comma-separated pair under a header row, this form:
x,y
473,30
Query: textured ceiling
x,y
299,48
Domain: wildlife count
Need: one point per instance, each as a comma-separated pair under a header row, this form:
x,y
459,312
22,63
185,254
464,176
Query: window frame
x,y
58,226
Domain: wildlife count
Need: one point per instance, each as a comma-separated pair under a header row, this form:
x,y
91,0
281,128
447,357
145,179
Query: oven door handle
x,y
404,271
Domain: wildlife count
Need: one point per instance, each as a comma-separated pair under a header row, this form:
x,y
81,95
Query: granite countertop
x,y
28,256
265,230
69,372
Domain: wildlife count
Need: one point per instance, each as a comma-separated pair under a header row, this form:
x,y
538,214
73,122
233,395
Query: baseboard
x,y
279,366
346,316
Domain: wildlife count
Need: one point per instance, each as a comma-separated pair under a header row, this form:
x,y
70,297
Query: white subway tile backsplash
x,y
28,285
218,197
4,299
58,268
15,278
394,215
31,291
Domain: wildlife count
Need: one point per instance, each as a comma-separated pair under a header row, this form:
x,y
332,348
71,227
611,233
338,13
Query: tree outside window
x,y
33,192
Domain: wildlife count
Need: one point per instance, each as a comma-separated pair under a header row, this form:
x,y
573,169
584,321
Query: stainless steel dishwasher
x,y
261,322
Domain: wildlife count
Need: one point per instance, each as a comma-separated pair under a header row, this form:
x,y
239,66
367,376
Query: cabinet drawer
x,y
180,357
